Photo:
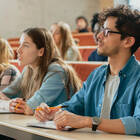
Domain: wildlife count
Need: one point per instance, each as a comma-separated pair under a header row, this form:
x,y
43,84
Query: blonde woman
x,y
8,72
46,78
63,38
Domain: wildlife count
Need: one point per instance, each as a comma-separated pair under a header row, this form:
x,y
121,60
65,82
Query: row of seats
x,y
85,52
83,39
86,47
83,69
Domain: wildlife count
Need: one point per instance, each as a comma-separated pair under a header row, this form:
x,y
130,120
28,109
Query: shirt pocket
x,y
124,109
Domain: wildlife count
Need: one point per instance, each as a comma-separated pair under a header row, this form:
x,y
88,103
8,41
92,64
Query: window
x,y
135,4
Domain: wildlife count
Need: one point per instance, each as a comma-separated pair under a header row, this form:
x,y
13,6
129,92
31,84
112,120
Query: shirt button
x,y
100,105
124,75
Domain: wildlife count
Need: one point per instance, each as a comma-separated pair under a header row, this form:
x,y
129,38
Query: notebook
x,y
48,125
4,107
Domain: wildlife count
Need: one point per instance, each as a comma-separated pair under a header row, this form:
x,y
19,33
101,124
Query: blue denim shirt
x,y
126,102
52,90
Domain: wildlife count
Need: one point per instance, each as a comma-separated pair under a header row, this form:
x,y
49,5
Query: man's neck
x,y
117,63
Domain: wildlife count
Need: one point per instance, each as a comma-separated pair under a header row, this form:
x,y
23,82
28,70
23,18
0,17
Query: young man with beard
x,y
110,98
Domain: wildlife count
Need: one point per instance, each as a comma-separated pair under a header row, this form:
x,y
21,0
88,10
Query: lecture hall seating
x,y
85,39
86,51
14,43
84,69
15,63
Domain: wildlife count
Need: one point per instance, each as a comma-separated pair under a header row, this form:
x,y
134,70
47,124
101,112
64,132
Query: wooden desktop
x,y
14,125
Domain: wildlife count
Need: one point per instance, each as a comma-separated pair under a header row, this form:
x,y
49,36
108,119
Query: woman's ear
x,y
41,52
129,42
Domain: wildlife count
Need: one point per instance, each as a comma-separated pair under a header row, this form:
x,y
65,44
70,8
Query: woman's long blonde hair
x,y
67,40
6,53
32,79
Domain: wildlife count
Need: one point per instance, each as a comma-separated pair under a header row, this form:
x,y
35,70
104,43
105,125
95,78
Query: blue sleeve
x,y
132,123
52,91
13,90
77,103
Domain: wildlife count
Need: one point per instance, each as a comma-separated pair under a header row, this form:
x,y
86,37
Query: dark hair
x,y
94,20
128,22
82,17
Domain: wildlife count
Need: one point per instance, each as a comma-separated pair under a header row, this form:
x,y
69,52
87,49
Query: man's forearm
x,y
112,126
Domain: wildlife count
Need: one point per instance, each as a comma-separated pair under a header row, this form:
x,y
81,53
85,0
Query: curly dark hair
x,y
128,22
94,20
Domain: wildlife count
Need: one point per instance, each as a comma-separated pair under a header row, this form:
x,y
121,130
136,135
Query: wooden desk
x,y
14,125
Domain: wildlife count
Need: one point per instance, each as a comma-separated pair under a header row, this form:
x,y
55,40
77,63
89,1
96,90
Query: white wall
x,y
118,2
17,15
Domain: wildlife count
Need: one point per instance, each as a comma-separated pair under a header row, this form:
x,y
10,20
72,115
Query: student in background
x,y
81,25
95,26
8,72
110,98
46,78
63,38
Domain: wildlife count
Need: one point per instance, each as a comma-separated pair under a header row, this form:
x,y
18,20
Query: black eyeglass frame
x,y
107,31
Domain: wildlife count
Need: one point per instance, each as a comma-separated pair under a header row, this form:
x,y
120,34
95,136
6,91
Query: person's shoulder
x,y
97,74
99,70
12,70
55,67
102,67
135,65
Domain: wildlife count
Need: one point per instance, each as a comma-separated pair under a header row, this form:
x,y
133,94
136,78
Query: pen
x,y
18,104
55,107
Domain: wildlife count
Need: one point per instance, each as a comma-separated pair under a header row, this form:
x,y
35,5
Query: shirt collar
x,y
126,69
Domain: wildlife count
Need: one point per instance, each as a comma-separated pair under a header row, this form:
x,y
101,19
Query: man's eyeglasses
x,y
107,31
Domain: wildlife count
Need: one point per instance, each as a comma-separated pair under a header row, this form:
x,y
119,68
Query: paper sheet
x,y
4,106
48,124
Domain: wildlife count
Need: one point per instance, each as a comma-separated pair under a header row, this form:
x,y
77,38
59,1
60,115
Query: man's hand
x,y
65,118
45,113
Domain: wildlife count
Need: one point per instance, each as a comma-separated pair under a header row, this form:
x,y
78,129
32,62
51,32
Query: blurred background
x,y
17,15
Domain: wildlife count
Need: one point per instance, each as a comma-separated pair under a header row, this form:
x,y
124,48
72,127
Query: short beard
x,y
101,54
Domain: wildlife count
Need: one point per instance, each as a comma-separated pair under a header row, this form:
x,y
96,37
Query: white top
x,y
111,87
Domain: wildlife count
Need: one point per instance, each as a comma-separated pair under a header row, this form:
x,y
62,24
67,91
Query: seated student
x,y
8,72
95,26
82,25
46,78
94,56
110,98
63,38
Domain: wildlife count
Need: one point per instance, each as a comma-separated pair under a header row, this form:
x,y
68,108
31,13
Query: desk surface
x,y
18,122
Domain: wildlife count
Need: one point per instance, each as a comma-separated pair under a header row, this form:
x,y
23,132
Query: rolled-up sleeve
x,y
132,123
129,124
